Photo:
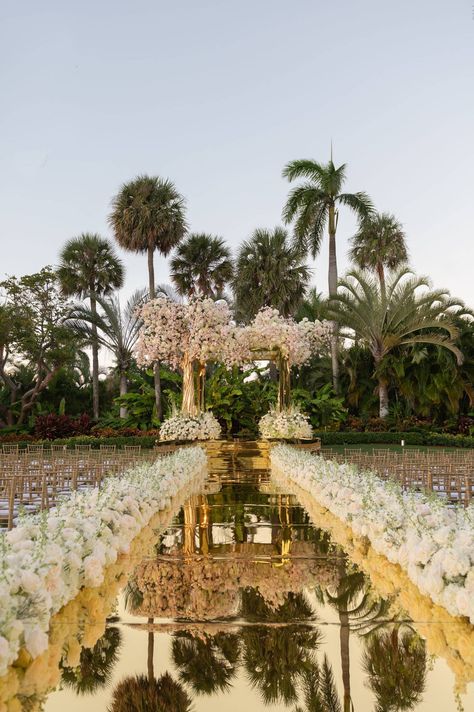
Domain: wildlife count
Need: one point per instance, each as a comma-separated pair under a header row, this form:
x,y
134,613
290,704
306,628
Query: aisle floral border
x,y
432,543
47,559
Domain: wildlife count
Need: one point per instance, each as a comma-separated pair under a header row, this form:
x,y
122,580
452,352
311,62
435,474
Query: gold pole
x,y
189,404
284,394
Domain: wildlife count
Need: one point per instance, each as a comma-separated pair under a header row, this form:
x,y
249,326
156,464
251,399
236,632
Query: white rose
x,y
36,641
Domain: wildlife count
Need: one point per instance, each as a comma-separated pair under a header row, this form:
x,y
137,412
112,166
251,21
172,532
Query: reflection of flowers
x,y
431,542
70,546
447,637
203,589
81,623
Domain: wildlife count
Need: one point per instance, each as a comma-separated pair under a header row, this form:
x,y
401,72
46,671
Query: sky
x,y
218,96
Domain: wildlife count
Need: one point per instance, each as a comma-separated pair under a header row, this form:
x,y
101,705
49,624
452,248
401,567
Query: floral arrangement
x,y
296,341
431,542
201,330
47,559
288,424
180,426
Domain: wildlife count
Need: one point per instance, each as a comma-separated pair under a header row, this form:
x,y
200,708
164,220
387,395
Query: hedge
x,y
388,438
327,438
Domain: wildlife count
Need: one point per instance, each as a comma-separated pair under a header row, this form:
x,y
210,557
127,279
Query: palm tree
x,y
208,663
148,214
95,665
201,266
141,694
401,316
276,658
313,205
379,243
90,267
396,669
270,272
116,329
319,690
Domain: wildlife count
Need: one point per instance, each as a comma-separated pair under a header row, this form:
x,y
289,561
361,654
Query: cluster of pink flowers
x,y
203,330
297,341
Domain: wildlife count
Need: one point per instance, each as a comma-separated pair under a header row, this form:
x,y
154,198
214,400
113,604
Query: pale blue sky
x,y
218,96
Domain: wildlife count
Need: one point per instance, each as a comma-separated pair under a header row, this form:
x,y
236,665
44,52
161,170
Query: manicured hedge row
x,y
327,438
420,438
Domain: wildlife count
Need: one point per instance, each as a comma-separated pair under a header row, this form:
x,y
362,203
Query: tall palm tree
x,y
270,272
208,663
95,665
398,317
117,330
396,667
201,266
379,244
314,204
90,267
148,214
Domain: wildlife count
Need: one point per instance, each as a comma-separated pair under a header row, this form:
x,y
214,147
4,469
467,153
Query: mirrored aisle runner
x,y
243,604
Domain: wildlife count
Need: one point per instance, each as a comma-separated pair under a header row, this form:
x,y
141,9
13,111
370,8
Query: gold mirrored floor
x,y
239,597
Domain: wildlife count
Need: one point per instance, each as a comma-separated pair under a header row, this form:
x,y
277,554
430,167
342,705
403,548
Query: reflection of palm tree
x,y
140,694
277,659
319,691
95,664
396,667
206,663
357,610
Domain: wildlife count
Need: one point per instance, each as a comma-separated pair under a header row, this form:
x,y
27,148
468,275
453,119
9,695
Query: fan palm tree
x,y
396,667
95,665
314,204
148,214
379,244
276,658
141,694
116,329
90,267
208,663
401,316
201,266
270,272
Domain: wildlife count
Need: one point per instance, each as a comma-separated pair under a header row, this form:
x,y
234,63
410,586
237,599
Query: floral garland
x,y
446,636
433,543
285,425
47,559
180,426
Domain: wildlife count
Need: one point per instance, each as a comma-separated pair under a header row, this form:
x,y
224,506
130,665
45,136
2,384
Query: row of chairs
x,y
450,474
32,481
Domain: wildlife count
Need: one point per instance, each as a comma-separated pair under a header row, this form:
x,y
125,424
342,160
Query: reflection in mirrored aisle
x,y
237,600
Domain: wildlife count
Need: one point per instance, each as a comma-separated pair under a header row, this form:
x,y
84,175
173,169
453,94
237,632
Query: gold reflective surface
x,y
247,595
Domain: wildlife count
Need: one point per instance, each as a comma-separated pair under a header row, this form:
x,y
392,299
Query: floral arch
x,y
188,336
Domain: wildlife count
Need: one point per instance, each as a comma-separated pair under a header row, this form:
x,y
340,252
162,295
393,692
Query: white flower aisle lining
x,y
47,559
433,543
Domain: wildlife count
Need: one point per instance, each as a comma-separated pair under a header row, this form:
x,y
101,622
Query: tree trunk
x,y
381,275
344,633
383,398
95,363
151,650
284,396
332,284
156,366
123,392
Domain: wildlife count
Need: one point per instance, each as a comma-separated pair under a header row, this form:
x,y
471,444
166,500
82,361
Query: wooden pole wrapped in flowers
x,y
186,336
